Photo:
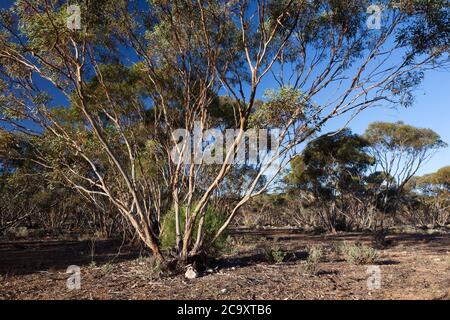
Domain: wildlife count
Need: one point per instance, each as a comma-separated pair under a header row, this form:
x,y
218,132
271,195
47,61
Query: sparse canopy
x,y
401,149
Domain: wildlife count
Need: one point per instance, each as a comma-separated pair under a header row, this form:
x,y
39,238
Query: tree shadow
x,y
387,262
251,259
327,272
25,257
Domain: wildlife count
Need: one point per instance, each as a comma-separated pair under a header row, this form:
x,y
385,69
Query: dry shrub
x,y
315,256
358,253
274,255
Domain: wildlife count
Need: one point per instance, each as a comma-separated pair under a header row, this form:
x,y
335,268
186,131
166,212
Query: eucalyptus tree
x,y
400,151
133,72
333,169
434,191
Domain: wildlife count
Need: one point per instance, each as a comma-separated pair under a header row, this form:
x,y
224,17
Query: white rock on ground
x,y
191,273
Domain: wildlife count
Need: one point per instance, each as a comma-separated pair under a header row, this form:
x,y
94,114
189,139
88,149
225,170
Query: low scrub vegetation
x,y
358,253
315,256
275,255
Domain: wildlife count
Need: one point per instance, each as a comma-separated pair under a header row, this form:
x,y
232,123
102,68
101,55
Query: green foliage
x,y
439,180
334,161
106,269
315,256
442,177
336,165
223,112
274,255
213,221
430,197
149,164
430,25
281,106
399,136
358,253
400,150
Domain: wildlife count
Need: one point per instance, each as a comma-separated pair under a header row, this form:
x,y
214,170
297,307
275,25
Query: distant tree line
x,y
345,182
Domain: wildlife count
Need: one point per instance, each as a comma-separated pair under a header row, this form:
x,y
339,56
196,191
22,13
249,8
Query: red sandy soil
x,y
413,266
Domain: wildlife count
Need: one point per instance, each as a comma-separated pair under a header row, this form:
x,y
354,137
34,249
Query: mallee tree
x,y
98,106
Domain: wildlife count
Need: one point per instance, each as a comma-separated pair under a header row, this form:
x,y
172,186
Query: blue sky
x,y
431,110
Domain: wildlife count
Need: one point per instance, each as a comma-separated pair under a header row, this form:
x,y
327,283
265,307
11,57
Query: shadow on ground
x,y
255,258
24,257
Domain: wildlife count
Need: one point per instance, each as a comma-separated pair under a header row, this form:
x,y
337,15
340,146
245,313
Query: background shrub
x,y
315,255
274,255
358,253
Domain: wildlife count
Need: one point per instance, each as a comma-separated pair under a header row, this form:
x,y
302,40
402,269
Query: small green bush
x,y
315,255
358,253
213,221
274,255
18,232
106,269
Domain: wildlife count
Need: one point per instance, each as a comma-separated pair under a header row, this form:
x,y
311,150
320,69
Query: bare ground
x,y
414,266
